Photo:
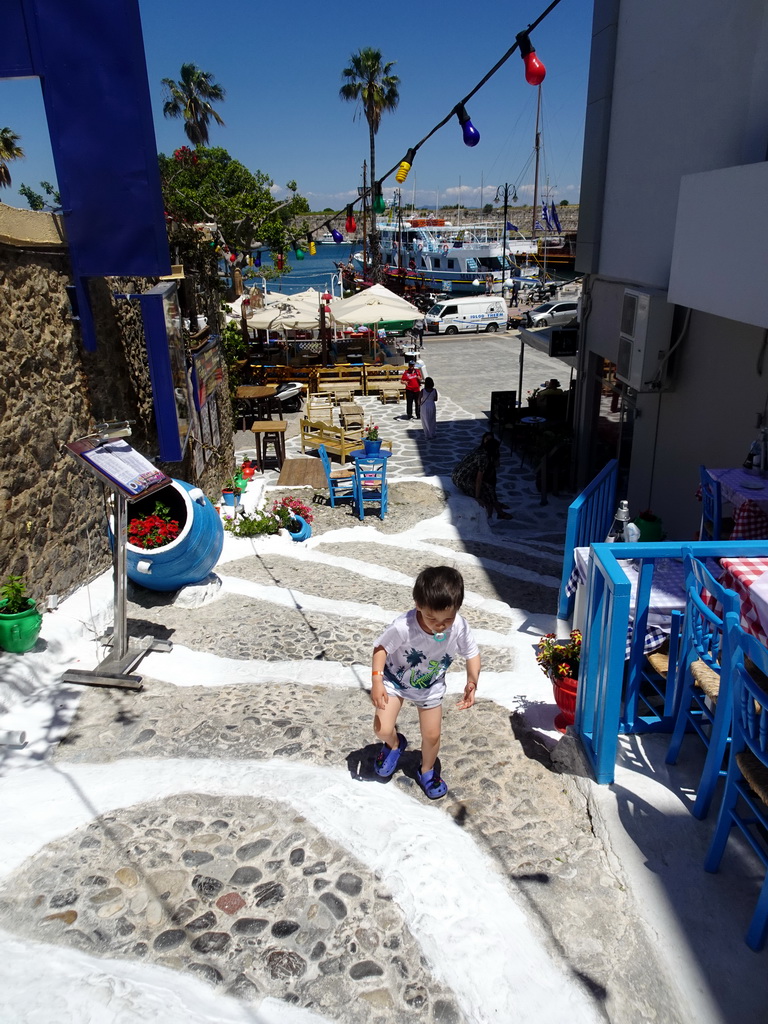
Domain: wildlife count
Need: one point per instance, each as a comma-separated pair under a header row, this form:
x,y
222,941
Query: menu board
x,y
122,466
207,370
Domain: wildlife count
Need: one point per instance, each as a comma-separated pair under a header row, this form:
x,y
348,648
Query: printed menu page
x,y
121,464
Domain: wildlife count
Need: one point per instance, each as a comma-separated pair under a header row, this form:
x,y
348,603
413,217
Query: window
x,y
451,264
435,264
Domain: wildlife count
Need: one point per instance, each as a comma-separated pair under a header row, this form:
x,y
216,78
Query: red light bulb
x,y
535,71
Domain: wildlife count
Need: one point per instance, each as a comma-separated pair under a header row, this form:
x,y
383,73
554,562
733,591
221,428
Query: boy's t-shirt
x,y
416,663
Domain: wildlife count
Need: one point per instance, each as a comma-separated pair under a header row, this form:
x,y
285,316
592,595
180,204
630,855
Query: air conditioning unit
x,y
644,339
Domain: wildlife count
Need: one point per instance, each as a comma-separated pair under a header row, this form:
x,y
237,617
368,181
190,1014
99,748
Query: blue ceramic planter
x,y
306,530
189,558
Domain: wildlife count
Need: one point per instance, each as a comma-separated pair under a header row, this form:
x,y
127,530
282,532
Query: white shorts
x,y
429,697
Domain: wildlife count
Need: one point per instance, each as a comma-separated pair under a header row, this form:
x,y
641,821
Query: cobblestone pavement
x,y
224,823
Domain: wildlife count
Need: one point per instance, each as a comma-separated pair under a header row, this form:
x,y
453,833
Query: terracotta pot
x,y
565,697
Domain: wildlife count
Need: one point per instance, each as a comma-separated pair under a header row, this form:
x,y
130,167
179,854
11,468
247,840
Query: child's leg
x,y
384,722
430,720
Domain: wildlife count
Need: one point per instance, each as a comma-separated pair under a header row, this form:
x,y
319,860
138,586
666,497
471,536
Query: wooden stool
x,y
269,432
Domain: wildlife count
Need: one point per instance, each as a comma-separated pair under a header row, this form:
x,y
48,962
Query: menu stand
x,y
129,476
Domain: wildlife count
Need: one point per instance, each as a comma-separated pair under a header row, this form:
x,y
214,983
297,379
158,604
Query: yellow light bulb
x,y
402,171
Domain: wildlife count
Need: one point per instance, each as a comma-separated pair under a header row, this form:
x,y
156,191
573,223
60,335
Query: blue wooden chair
x,y
341,482
702,698
371,484
713,526
746,784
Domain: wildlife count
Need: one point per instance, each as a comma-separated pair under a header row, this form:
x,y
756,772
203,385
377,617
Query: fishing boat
x,y
432,254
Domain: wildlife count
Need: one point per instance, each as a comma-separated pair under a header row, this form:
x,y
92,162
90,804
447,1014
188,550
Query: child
x,y
410,660
427,408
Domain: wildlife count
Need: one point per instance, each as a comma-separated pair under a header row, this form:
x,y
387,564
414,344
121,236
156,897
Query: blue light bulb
x,y
470,134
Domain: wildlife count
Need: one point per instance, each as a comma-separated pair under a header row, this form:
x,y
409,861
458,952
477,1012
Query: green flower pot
x,y
19,632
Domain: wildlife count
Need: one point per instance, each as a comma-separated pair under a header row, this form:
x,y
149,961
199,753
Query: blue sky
x,y
281,67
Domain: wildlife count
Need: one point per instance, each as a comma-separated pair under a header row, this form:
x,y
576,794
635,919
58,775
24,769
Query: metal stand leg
x,y
125,653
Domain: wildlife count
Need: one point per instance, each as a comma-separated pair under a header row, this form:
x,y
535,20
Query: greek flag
x,y
512,227
539,225
545,215
556,219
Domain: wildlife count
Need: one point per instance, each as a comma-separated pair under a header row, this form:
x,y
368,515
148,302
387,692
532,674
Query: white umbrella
x,y
372,305
285,316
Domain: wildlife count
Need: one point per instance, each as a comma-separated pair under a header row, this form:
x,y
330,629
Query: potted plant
x,y
231,491
20,621
560,660
154,530
371,440
285,514
299,517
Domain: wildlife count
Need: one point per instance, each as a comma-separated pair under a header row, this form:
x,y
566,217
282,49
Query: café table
x,y
256,398
748,577
747,491
667,594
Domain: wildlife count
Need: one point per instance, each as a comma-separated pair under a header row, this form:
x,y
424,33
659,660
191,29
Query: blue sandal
x,y
432,784
387,758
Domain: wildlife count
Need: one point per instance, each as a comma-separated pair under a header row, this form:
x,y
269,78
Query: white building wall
x,y
689,92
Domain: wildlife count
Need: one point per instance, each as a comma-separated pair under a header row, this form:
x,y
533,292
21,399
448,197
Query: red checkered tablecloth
x,y
740,574
749,522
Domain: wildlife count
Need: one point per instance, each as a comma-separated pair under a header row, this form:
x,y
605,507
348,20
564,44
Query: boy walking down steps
x,y
410,660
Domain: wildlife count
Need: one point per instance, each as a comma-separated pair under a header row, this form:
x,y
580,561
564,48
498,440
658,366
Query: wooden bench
x,y
376,376
350,377
337,440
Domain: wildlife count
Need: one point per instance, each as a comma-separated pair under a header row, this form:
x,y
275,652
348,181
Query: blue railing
x,y
608,698
589,519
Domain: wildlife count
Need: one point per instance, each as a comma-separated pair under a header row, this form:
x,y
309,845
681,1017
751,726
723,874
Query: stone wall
x,y
52,510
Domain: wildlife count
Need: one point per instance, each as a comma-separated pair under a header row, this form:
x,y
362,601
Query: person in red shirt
x,y
412,379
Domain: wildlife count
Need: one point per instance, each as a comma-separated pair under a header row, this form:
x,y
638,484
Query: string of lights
x,y
534,75
535,72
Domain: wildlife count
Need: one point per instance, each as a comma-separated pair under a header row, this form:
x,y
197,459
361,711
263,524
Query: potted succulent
x,y
560,660
371,440
20,621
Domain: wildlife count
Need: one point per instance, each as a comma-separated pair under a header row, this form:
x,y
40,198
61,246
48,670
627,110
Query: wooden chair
x,y
713,525
701,686
371,484
341,482
746,782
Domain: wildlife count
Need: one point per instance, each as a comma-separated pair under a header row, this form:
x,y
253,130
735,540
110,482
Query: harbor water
x,y
316,271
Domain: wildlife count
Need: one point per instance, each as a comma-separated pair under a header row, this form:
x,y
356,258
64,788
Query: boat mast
x,y
536,171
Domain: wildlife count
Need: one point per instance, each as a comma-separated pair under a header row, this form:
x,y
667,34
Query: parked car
x,y
552,314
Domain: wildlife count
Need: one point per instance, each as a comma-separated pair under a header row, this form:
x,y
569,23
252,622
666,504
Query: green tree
x,y
9,150
209,186
564,202
370,81
37,201
488,208
192,98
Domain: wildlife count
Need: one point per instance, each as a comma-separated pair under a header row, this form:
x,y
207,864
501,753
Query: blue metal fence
x,y
589,519
607,702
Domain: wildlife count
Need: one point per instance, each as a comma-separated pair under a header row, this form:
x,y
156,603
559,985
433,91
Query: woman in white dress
x,y
428,410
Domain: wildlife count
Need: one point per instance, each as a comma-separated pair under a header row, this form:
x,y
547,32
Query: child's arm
x,y
379,696
473,673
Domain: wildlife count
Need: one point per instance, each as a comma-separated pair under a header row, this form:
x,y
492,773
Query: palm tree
x,y
8,151
370,81
191,98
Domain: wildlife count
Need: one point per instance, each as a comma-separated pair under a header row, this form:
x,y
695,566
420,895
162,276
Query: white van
x,y
473,313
